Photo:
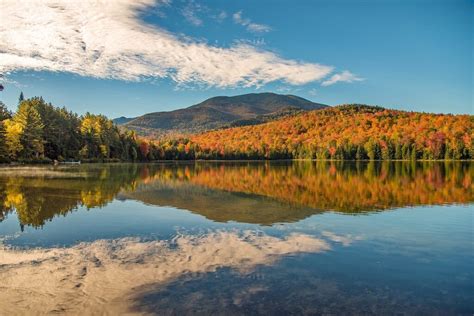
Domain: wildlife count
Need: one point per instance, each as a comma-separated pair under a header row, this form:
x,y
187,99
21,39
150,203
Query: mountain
x,y
219,112
122,120
264,118
345,132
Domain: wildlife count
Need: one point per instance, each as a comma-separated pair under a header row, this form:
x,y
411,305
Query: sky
x,y
131,57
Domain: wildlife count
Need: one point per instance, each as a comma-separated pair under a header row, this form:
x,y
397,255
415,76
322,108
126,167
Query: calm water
x,y
238,238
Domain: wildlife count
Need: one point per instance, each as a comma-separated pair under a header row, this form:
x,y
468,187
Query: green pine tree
x,y
4,113
4,157
31,138
21,98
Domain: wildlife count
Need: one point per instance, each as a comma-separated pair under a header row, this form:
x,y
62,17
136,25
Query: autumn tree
x,y
4,156
4,115
31,127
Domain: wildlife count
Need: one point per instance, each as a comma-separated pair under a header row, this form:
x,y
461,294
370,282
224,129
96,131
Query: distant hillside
x,y
122,120
343,132
218,112
265,118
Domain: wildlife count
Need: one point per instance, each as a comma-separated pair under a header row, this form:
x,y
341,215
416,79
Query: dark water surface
x,y
238,238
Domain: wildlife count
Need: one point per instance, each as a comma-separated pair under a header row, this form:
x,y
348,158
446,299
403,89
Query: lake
x,y
238,238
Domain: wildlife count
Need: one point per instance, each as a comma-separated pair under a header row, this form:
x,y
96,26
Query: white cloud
x,y
288,89
4,81
107,39
345,76
158,11
221,16
252,27
284,89
253,42
189,13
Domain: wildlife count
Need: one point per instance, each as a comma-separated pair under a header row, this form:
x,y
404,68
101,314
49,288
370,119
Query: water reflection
x,y
412,261
38,194
348,187
262,193
105,276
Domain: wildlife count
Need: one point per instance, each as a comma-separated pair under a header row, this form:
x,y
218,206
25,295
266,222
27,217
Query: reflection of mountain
x,y
263,193
285,192
103,277
217,205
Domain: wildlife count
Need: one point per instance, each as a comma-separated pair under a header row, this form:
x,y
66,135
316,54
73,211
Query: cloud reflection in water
x,y
103,276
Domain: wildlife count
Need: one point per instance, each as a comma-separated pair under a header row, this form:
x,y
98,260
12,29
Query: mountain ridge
x,y
217,112
344,132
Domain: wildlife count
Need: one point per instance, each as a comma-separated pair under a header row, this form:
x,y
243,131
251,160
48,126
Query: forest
x,y
345,132
41,132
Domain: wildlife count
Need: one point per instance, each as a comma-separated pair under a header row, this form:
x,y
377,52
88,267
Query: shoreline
x,y
13,164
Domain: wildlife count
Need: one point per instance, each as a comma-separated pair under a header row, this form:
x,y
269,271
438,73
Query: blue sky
x,y
411,55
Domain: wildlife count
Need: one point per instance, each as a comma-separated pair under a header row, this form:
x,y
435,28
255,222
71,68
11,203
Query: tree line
x,y
346,132
41,132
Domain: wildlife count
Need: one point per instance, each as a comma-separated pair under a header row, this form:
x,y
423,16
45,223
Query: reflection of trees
x,y
246,192
350,187
345,187
37,199
5,209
